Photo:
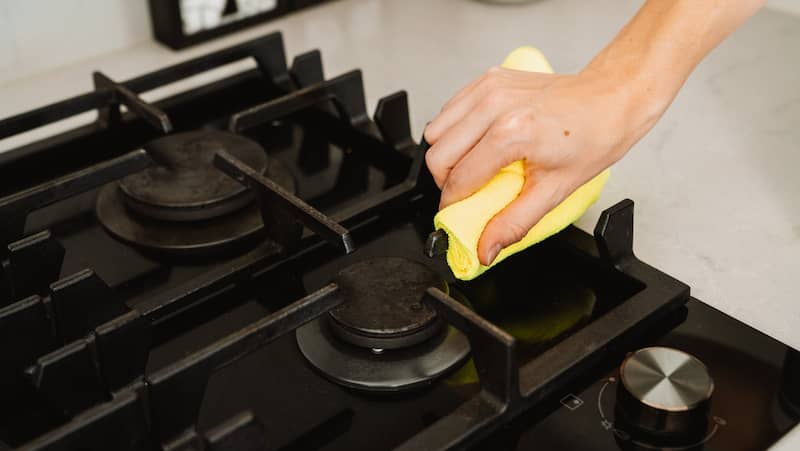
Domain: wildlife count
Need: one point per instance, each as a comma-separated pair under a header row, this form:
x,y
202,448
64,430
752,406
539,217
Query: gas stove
x,y
243,266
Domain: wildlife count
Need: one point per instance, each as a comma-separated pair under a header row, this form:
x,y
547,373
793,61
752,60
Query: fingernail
x,y
493,254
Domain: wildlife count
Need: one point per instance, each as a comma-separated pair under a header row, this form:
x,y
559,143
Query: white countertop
x,y
715,185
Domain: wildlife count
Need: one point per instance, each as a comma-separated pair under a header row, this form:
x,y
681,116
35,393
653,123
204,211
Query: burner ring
x,y
191,213
387,371
393,342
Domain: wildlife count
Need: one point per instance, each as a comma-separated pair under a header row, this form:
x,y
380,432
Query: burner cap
x,y
186,186
383,307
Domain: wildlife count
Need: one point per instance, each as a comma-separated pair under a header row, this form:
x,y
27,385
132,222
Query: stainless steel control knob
x,y
664,392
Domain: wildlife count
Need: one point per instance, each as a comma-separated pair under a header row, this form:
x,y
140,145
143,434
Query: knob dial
x,y
664,392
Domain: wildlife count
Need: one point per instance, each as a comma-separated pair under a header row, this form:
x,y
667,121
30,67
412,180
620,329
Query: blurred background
x,y
38,35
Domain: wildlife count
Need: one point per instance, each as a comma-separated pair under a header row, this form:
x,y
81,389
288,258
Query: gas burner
x,y
186,206
186,186
383,337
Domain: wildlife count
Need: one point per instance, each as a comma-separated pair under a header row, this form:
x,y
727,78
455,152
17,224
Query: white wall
x,y
38,35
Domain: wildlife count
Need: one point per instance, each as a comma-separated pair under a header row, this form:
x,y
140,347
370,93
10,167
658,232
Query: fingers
x,y
515,221
463,92
504,143
452,111
460,140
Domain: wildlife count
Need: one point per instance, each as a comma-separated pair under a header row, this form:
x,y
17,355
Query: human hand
x,y
565,128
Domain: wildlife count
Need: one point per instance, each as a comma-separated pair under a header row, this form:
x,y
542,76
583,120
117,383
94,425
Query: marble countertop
x,y
715,185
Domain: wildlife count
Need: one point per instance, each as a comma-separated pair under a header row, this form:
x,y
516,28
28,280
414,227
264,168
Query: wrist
x,y
639,95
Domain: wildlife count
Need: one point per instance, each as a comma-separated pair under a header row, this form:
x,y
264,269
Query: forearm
x,y
654,54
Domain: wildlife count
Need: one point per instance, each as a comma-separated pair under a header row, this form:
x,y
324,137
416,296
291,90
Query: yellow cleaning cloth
x,y
465,220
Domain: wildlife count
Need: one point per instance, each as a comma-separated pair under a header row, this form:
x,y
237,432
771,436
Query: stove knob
x,y
663,393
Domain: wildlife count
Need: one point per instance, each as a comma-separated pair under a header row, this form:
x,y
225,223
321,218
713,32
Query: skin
x,y
567,128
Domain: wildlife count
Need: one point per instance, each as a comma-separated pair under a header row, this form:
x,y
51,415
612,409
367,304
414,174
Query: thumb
x,y
517,219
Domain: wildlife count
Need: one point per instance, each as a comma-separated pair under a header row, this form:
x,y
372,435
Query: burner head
x,y
383,307
383,338
208,238
185,186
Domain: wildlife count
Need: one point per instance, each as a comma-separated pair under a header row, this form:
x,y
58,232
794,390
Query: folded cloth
x,y
464,221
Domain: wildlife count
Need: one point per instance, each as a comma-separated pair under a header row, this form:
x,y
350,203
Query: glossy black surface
x,y
279,375
747,365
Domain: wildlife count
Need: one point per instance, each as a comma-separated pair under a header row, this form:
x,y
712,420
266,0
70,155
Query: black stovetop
x,y
108,345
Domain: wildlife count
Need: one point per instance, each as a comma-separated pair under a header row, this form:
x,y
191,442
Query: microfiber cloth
x,y
464,221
